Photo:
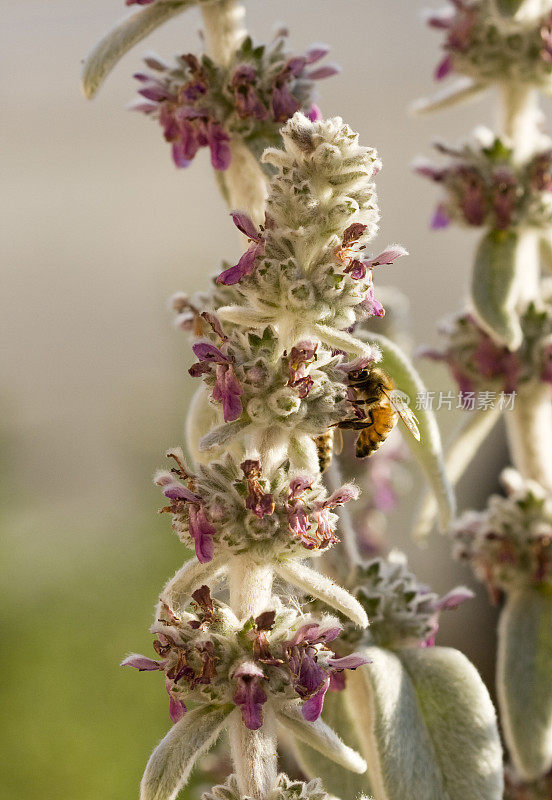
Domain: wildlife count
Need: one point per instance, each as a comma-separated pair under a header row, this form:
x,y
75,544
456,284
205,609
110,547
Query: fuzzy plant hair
x,y
500,182
285,629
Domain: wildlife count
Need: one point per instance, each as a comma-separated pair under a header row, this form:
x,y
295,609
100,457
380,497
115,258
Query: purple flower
x,y
153,89
245,225
298,520
493,361
316,52
310,673
184,150
359,269
248,102
202,532
444,68
311,678
341,496
439,21
177,708
283,104
324,531
546,36
459,27
142,663
227,389
326,71
504,197
258,501
203,109
215,325
249,696
454,598
219,145
183,499
246,264
372,305
299,485
207,352
176,491
353,661
450,601
315,114
299,524
428,170
388,256
473,201
302,354
186,123
440,218
139,2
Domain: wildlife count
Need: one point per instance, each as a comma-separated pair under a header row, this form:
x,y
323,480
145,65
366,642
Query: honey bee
x,y
376,397
327,444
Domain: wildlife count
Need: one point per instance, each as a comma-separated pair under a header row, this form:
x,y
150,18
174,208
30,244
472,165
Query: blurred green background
x,y
97,230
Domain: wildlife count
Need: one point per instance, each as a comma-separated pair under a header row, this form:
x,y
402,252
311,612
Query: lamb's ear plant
x,y
249,635
501,182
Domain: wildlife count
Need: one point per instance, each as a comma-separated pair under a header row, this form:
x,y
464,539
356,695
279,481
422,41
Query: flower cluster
x,y
482,44
402,611
483,186
274,336
234,507
208,656
284,789
321,211
509,544
306,266
476,361
244,371
202,104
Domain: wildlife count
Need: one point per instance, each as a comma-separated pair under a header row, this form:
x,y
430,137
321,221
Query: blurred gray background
x,y
98,229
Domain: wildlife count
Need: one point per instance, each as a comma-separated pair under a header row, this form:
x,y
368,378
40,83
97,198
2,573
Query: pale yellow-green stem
x,y
254,753
529,424
243,184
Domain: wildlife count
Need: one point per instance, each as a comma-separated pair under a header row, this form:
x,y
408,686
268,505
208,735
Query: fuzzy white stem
x,y
529,425
254,753
250,586
519,118
529,428
530,10
243,184
224,29
528,255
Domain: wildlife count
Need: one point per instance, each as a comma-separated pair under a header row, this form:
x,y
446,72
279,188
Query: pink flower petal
x,y
141,663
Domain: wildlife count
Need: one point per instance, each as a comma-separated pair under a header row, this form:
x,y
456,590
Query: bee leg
x,y
368,401
352,424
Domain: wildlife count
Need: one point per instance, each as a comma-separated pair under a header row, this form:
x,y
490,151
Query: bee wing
x,y
337,441
404,412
